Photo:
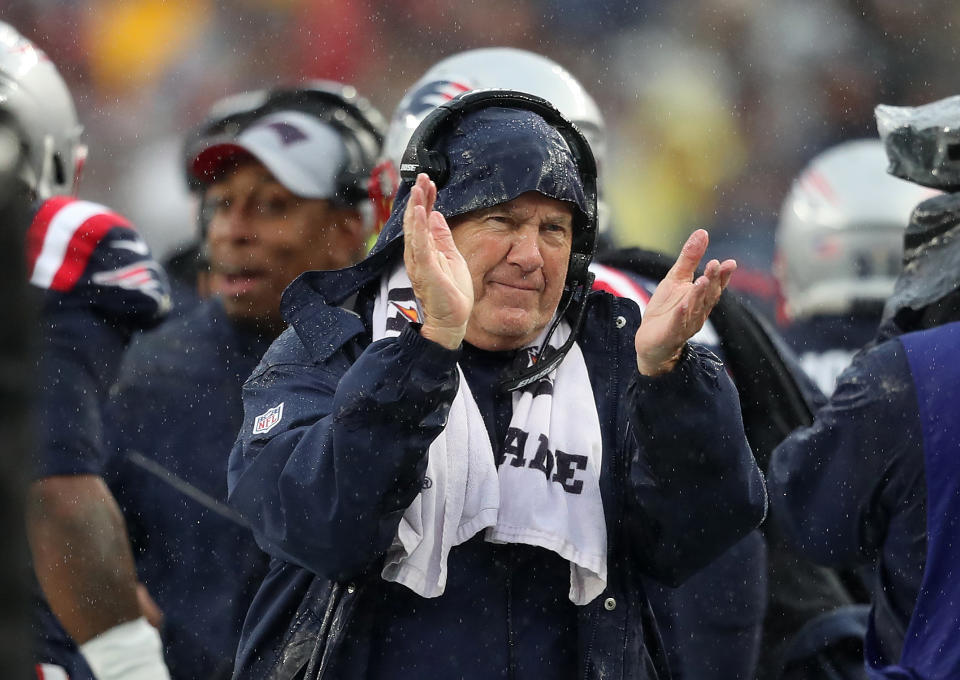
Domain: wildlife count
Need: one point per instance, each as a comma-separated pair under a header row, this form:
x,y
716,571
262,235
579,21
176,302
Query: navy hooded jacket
x,y
326,477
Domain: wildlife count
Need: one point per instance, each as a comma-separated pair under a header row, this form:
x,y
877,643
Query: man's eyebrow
x,y
515,213
559,217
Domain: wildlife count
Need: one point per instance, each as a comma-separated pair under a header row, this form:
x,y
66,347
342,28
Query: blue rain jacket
x,y
176,410
853,488
930,647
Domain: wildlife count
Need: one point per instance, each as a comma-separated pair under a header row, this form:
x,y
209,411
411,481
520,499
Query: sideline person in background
x,y
282,176
874,479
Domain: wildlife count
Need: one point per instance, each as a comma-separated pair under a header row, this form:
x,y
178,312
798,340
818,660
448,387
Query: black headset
x,y
360,125
421,155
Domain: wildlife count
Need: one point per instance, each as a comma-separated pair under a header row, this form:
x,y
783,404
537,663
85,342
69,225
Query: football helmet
x,y
840,232
36,102
489,67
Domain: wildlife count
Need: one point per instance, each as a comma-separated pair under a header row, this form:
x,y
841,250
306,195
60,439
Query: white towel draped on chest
x,y
545,493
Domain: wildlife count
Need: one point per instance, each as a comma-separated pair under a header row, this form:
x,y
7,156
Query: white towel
x,y
545,492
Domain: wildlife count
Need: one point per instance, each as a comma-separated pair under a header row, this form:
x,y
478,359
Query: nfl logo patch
x,y
267,421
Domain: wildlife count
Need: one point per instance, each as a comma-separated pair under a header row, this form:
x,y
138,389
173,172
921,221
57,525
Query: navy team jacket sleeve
x,y
833,483
79,358
327,485
695,488
98,285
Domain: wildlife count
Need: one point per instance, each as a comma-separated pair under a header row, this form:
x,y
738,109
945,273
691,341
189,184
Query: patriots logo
x,y
143,276
133,245
288,133
826,247
431,95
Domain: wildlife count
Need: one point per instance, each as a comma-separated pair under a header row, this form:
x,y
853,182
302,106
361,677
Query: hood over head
x,y
495,155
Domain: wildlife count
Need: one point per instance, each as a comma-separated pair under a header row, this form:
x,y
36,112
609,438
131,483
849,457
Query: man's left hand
x,y
680,306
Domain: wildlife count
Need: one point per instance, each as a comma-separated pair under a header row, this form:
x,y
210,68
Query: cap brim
x,y
209,163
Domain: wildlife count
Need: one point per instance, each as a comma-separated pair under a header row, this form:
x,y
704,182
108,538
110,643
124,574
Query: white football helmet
x,y
35,101
489,67
840,232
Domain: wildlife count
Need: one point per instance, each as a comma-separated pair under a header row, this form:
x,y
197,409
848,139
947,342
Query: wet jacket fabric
x,y
849,490
930,647
172,419
825,345
712,624
98,285
342,428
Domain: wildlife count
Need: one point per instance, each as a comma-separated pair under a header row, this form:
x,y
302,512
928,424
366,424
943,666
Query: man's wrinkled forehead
x,y
560,213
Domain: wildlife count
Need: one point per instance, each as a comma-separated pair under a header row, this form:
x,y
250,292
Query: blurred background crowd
x,y
712,106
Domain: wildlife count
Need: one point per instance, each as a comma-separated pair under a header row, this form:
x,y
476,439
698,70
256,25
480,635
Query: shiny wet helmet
x,y
35,102
839,236
490,67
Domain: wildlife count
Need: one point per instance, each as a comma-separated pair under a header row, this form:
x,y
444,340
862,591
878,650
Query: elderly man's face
x,y
517,253
261,236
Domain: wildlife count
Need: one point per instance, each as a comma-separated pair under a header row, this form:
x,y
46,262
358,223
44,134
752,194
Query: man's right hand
x,y
439,274
680,306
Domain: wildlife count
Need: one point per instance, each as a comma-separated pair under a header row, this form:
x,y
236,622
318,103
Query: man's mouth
x,y
231,282
526,286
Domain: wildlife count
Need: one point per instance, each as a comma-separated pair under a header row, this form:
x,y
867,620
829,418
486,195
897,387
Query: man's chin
x,y
508,331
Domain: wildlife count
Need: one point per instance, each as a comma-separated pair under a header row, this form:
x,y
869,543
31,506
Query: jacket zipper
x,y
618,488
511,667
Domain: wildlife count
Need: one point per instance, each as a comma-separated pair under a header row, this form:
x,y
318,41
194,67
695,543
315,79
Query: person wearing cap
x,y
874,479
271,201
460,460
278,200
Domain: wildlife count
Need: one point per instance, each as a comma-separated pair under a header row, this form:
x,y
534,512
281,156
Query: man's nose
x,y
234,224
525,250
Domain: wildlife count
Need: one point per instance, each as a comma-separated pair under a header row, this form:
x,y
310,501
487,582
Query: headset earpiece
x,y
417,160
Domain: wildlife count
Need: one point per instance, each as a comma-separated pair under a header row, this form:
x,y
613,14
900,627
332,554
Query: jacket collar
x,y
312,303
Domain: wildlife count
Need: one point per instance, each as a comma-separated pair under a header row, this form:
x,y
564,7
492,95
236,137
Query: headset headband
x,y
419,156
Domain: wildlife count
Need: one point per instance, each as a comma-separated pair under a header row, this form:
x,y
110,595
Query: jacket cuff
x,y
693,360
432,358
